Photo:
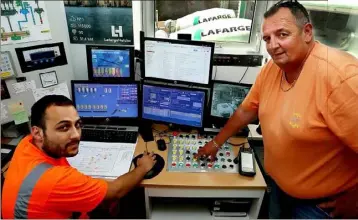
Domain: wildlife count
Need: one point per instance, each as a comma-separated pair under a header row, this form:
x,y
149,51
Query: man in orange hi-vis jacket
x,y
40,183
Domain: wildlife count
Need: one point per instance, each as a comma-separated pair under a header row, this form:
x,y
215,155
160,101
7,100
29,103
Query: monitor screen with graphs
x,y
174,105
105,100
110,62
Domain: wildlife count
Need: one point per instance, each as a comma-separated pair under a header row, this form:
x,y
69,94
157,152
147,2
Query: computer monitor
x,y
174,105
180,61
225,98
109,101
110,62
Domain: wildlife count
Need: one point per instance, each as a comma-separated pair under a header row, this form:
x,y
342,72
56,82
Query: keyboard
x,y
102,135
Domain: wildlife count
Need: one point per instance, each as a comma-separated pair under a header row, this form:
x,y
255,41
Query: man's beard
x,y
56,151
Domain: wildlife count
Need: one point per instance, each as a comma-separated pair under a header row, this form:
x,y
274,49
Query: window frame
x,y
253,47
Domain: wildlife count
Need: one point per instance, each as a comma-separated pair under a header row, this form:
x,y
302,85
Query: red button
x,y
228,154
188,164
174,164
210,165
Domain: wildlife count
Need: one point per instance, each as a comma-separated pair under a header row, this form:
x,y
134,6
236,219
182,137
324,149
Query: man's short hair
x,y
297,10
38,110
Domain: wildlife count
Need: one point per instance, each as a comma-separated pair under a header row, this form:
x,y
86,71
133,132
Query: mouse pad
x,y
157,168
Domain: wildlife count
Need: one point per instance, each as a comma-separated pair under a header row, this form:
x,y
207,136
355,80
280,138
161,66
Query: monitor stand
x,y
145,130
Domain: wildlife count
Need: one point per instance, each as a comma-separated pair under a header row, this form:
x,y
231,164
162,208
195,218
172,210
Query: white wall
x,y
59,34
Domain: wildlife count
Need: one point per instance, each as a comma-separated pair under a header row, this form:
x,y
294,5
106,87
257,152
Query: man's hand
x,y
147,161
344,205
208,150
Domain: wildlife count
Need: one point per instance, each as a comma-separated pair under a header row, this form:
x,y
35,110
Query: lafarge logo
x,y
117,32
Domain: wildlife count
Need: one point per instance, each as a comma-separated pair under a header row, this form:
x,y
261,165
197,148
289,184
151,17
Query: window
x,y
335,23
212,20
231,24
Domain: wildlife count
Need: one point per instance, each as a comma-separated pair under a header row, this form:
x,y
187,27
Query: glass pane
x,y
335,23
209,20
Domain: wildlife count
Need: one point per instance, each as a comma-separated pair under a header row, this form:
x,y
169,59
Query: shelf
x,y
164,209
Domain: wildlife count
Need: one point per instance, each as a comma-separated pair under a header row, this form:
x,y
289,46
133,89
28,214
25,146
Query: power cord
x,y
244,74
216,70
135,67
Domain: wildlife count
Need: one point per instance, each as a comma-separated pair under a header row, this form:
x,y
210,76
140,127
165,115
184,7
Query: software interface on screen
x,y
106,100
110,63
179,62
226,98
172,105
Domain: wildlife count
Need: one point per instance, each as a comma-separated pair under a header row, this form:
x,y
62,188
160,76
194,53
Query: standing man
x,y
40,183
306,98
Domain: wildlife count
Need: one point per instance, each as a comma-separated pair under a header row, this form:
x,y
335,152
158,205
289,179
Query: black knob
x,y
187,136
200,142
208,160
203,165
224,166
181,136
193,136
231,166
188,151
229,160
188,158
221,154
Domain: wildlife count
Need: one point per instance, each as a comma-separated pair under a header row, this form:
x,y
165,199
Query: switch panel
x,y
237,60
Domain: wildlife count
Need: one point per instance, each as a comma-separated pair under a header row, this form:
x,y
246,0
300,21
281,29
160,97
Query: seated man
x,y
40,183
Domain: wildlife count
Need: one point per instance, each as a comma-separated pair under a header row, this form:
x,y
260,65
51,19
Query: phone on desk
x,y
246,162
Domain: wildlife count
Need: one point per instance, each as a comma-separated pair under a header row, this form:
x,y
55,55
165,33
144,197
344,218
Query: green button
x,y
222,159
216,166
195,165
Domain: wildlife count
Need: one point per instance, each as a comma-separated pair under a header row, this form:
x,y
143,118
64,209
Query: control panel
x,y
183,147
237,60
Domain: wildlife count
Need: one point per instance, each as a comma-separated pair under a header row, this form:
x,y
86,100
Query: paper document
x,y
103,159
3,112
18,112
24,86
60,89
5,151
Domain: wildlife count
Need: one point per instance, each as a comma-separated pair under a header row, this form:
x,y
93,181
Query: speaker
x,y
184,36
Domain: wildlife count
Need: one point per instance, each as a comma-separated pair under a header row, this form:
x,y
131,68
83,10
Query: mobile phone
x,y
246,162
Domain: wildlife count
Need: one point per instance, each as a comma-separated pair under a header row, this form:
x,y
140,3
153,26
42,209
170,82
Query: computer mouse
x,y
157,168
258,130
161,145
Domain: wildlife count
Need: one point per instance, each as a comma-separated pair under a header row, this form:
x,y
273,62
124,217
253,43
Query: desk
x,y
202,185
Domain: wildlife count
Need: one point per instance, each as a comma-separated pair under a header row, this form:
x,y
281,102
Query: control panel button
x,y
227,153
224,167
174,164
229,160
231,166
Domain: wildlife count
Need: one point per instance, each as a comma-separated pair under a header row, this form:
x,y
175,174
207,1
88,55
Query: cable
x,y
216,70
240,144
244,74
135,67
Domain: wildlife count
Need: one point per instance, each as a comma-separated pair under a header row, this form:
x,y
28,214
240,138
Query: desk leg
x,y
256,206
148,204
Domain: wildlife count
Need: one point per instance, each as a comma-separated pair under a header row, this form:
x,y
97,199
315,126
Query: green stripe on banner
x,y
196,20
197,34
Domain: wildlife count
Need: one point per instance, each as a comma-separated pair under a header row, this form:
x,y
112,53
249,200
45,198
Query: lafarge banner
x,y
100,21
